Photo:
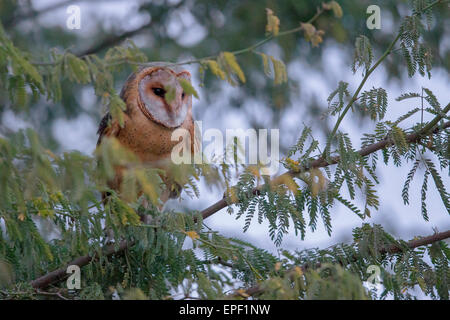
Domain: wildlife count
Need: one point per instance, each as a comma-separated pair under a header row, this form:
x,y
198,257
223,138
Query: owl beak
x,y
175,106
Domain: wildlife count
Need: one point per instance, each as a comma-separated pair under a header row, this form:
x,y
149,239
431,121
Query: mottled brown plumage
x,y
149,120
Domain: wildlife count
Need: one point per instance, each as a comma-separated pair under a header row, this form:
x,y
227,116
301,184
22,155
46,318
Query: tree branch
x,y
13,20
38,292
61,273
256,290
116,39
113,40
358,90
110,41
363,81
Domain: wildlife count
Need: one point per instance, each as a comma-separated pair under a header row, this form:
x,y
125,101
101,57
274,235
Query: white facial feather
x,y
171,114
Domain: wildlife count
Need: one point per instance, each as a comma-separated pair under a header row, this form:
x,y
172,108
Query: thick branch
x,y
419,242
61,273
115,39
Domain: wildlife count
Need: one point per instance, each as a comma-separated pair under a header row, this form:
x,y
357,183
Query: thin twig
x,y
363,81
113,40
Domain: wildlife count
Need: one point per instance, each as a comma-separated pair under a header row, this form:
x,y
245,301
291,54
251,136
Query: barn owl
x,y
150,120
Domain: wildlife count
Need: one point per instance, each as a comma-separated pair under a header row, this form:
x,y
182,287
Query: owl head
x,y
152,84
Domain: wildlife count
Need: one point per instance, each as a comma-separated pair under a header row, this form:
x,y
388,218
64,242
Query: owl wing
x,y
107,127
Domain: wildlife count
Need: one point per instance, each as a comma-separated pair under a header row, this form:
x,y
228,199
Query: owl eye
x,y
159,92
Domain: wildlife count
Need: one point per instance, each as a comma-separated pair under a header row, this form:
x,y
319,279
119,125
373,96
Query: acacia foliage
x,y
51,212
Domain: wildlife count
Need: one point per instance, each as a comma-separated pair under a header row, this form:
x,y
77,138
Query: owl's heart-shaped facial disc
x,y
154,92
